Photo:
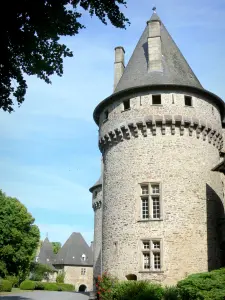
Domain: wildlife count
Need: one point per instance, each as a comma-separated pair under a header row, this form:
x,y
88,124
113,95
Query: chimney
x,y
92,246
118,65
154,45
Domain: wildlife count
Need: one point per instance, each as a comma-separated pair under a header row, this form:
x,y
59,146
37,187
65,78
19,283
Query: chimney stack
x,y
154,45
118,65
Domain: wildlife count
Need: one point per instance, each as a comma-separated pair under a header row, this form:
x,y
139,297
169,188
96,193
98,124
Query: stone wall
x,y
176,146
97,206
73,276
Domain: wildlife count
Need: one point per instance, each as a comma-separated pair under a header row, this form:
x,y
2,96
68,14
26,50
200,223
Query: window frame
x,y
150,196
83,271
187,97
126,101
151,250
157,95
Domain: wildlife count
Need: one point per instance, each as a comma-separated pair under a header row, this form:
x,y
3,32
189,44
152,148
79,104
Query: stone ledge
x,y
147,127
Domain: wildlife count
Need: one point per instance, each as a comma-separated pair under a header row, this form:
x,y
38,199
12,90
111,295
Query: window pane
x,y
156,244
156,207
157,264
144,189
146,245
146,257
145,208
155,189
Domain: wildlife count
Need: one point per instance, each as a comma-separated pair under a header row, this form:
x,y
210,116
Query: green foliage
x,y
203,286
40,271
171,293
39,285
27,285
109,288
137,290
13,279
5,285
56,247
65,287
49,286
30,39
19,237
60,277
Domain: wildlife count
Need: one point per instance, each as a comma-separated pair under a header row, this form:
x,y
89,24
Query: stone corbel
x,y
126,131
119,134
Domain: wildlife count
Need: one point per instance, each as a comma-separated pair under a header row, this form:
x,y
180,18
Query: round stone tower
x,y
96,191
160,134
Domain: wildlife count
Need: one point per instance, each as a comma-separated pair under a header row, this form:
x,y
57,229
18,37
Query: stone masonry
x,y
169,144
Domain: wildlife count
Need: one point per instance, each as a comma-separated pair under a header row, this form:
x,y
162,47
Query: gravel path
x,y
44,295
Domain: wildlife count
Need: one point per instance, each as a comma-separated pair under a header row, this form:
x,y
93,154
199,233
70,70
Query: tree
x,y
19,237
56,247
30,39
39,271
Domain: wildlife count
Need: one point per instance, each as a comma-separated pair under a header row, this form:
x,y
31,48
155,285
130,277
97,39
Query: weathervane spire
x,y
154,9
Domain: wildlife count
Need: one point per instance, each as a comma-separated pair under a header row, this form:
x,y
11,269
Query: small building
x,y
75,258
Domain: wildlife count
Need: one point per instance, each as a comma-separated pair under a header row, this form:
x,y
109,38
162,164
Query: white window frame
x,y
83,271
151,250
149,197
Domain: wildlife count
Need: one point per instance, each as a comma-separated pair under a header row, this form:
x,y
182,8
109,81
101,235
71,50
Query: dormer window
x,y
126,104
83,257
187,100
156,100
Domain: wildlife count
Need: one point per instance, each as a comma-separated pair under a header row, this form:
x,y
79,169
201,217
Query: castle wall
x,y
73,276
97,206
176,146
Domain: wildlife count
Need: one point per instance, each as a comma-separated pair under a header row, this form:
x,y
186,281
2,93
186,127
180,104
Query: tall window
x,y
126,104
83,271
151,201
106,115
151,255
188,100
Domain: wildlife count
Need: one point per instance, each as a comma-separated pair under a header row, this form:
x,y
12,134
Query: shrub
x,y
39,285
49,286
65,287
137,290
171,293
5,285
60,277
104,286
13,279
203,286
40,271
27,285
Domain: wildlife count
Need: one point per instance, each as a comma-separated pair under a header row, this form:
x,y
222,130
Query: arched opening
x,y
131,277
82,288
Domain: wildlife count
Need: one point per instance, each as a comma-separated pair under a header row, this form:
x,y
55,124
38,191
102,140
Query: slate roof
x,y
46,254
175,68
72,251
97,183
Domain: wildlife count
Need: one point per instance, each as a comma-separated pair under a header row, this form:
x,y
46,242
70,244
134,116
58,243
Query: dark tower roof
x,y
175,68
46,254
176,74
98,183
74,251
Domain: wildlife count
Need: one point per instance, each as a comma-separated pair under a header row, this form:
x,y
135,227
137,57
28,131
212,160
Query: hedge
x,y
203,286
5,285
27,285
47,286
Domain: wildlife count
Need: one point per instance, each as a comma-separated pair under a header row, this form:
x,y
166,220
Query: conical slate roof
x,y
175,68
46,254
97,183
75,251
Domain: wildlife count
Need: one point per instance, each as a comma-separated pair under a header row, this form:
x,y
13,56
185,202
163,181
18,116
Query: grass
x,y
14,291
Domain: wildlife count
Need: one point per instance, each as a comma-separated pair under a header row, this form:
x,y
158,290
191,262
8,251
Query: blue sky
x,y
49,155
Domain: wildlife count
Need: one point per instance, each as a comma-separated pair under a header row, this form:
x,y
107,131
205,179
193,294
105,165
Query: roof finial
x,y
154,9
47,235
